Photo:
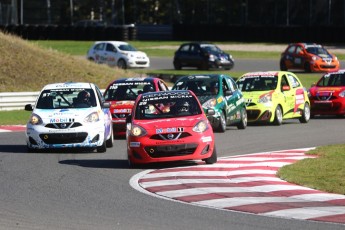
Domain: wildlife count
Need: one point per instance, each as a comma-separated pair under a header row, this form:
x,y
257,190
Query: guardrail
x,y
17,100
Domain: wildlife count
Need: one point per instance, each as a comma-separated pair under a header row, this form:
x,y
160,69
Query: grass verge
x,y
325,173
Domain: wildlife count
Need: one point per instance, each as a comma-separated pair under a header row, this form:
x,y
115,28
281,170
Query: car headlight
x,y
137,131
314,58
93,117
200,127
265,98
342,93
35,119
210,103
212,57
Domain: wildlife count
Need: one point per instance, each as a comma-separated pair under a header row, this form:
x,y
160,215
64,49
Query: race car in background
x,y
309,57
273,96
327,96
169,126
121,94
69,115
220,93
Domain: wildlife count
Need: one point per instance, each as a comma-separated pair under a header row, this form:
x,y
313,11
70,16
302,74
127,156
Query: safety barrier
x,y
17,100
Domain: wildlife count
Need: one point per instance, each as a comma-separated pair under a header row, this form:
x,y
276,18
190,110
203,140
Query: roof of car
x,y
131,79
64,85
116,43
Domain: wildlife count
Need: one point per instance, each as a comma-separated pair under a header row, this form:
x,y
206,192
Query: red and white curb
x,y
12,128
246,183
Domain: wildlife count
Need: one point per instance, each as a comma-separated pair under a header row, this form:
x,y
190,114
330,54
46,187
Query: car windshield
x,y
332,80
317,50
127,47
257,83
199,85
167,105
127,90
66,98
210,47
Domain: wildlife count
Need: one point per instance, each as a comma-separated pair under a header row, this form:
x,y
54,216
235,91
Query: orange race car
x,y
309,57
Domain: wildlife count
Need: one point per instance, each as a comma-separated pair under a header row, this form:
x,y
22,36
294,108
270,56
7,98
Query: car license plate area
x,y
171,150
63,138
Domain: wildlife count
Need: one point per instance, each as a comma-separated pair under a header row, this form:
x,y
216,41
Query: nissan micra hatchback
x,y
274,96
69,115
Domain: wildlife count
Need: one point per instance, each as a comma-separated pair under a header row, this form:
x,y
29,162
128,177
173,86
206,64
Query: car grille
x,y
171,150
327,66
63,138
63,125
120,115
326,106
253,114
141,62
170,136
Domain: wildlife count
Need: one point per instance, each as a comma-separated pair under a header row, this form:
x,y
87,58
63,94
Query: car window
x,y
162,86
317,50
99,46
185,48
199,86
291,49
284,82
299,49
294,82
110,48
66,98
231,84
158,106
128,90
332,80
126,47
257,83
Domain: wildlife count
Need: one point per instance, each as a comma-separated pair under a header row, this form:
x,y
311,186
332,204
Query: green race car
x,y
274,96
220,93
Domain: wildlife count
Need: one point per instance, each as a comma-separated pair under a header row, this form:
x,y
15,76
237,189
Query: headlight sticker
x,y
206,139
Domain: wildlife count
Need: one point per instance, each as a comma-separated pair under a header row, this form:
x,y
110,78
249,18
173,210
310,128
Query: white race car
x,y
117,54
69,115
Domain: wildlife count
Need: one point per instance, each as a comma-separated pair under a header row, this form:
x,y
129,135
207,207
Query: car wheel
x,y
102,148
177,65
91,59
307,68
213,158
306,114
244,120
122,64
278,116
110,141
283,66
222,122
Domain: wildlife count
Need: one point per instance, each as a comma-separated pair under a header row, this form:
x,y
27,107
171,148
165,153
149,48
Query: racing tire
x,y
102,148
244,119
222,123
283,66
278,116
307,68
122,64
306,114
213,158
110,141
91,59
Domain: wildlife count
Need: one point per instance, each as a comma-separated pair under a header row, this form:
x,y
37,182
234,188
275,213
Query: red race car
x,y
169,126
327,97
122,93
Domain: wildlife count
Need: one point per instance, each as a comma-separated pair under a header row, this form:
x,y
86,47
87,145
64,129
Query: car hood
x,y
255,94
203,99
64,115
134,53
169,123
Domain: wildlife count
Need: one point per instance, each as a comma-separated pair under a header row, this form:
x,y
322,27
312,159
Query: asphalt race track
x,y
89,190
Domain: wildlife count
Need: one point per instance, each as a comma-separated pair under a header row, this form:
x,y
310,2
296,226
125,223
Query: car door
x,y
231,97
98,53
298,57
195,56
110,54
288,100
183,54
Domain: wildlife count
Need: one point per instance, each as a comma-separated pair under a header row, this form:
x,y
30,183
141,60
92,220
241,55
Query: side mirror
x,y
28,107
286,88
228,93
106,105
210,112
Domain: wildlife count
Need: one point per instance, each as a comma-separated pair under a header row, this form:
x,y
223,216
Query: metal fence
x,y
17,100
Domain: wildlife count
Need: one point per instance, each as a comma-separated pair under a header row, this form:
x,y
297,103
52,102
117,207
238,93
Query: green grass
x,y
17,117
325,173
